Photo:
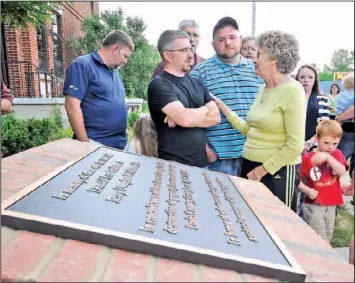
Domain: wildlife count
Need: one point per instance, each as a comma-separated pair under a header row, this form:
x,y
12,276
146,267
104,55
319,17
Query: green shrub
x,y
145,108
58,118
132,118
18,135
14,135
41,130
62,133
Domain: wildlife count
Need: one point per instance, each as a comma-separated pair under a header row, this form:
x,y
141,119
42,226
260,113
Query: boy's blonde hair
x,y
144,138
329,128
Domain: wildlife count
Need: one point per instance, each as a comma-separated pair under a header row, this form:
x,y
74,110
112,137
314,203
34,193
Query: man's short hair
x,y
118,37
167,38
187,23
247,38
329,128
222,23
348,81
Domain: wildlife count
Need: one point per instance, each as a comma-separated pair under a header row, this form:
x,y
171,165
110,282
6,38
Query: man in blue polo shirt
x,y
230,77
95,94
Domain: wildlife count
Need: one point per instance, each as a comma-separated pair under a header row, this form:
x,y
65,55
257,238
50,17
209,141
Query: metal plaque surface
x,y
153,206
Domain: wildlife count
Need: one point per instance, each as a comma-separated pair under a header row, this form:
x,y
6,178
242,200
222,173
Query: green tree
x,y
129,89
352,60
137,72
342,61
20,13
327,73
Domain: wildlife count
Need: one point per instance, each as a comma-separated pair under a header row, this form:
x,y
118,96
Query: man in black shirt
x,y
180,105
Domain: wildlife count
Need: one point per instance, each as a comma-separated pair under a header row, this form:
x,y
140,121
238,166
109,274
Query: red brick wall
x,y
30,54
14,53
84,9
21,45
96,8
73,15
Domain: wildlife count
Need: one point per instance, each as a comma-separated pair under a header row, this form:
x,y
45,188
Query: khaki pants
x,y
321,219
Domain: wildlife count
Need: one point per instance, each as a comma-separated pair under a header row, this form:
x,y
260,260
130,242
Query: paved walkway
x,y
344,252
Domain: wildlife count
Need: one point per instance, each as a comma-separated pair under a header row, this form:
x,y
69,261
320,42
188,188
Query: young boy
x,y
321,170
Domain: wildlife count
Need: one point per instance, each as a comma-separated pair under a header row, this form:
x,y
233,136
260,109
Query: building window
x,y
57,42
42,48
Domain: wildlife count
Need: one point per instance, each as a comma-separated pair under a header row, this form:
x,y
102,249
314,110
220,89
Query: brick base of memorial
x,y
28,256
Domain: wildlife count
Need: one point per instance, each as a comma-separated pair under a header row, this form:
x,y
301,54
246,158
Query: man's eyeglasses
x,y
249,49
185,50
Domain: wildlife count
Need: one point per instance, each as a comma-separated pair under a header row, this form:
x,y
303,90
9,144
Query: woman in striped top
x,y
318,109
318,105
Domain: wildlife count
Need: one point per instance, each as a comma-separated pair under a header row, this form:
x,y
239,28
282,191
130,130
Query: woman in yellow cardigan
x,y
275,124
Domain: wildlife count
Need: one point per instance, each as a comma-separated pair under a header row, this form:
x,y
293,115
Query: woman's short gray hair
x,y
167,38
118,37
280,46
348,81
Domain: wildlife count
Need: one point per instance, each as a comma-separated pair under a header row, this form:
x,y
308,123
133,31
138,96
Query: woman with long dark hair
x,y
317,109
318,105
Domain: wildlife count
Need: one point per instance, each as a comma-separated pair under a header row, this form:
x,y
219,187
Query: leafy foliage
x,y
145,108
137,72
132,118
129,88
18,135
14,135
20,13
325,76
342,61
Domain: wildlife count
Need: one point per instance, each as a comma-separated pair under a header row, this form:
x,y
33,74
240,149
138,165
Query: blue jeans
x,y
226,166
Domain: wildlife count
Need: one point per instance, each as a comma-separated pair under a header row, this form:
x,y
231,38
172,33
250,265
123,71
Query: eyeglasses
x,y
249,49
185,50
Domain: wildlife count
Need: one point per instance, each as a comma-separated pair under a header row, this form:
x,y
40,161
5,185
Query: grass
x,y
344,229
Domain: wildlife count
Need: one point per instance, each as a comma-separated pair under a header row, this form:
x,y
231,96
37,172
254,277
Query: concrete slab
x,y
343,252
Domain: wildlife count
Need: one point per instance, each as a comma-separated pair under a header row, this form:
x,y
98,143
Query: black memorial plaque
x,y
152,206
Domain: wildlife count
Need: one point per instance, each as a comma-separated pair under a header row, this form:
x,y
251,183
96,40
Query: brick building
x,y
34,60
